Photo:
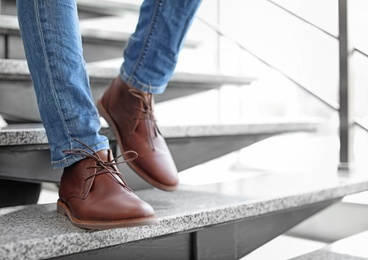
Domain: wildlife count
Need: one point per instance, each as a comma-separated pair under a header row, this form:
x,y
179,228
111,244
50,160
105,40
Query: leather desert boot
x,y
94,195
130,113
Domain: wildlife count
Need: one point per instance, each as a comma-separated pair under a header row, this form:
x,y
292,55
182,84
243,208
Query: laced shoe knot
x,y
101,166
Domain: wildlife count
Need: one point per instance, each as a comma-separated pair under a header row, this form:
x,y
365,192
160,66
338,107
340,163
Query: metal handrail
x,y
357,121
302,19
360,52
333,105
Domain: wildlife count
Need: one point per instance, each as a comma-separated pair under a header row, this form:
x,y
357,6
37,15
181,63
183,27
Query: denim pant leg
x,y
151,53
52,42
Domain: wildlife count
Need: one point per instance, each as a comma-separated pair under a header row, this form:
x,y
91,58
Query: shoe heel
x,y
60,209
102,111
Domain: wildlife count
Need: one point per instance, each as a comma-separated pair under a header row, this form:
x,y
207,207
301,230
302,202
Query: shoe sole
x,y
144,176
99,225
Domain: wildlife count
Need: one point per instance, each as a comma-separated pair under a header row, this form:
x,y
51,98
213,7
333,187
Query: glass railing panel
x,y
359,24
358,19
360,69
323,14
295,48
203,58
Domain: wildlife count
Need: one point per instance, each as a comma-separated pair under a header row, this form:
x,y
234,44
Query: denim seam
x,y
48,69
148,37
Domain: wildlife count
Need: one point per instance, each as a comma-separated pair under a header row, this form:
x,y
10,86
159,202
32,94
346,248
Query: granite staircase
x,y
222,210
217,213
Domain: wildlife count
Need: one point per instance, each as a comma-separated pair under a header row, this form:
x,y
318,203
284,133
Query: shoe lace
x,y
147,113
101,166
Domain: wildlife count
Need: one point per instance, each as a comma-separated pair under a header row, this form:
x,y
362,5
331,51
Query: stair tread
x,y
190,145
110,29
18,69
33,134
350,248
107,69
42,233
16,84
110,6
102,29
9,24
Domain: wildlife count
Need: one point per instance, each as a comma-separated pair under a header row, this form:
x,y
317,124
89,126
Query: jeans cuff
x,y
134,82
71,159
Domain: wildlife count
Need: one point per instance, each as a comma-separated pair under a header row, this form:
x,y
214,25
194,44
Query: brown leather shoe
x,y
130,113
94,195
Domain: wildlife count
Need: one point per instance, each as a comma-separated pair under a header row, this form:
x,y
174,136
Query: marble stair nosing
x,y
34,134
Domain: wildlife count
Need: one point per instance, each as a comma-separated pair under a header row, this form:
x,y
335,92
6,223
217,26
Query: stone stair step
x,y
24,147
34,134
101,36
88,8
225,220
109,7
18,100
116,29
350,248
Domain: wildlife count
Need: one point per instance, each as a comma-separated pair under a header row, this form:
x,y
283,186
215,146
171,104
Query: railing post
x,y
346,112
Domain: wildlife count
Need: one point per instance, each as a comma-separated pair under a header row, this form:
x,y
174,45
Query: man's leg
x,y
91,185
150,58
51,36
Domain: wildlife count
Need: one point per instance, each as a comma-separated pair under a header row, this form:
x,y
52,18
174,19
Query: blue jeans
x,y
53,47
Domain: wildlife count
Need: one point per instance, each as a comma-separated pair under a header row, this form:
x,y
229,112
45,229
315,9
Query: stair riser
x,y
18,99
32,162
8,7
11,47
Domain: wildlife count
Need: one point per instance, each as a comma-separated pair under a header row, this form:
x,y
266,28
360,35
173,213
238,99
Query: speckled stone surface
x,y
18,68
9,24
37,231
23,135
99,71
14,68
94,28
35,134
